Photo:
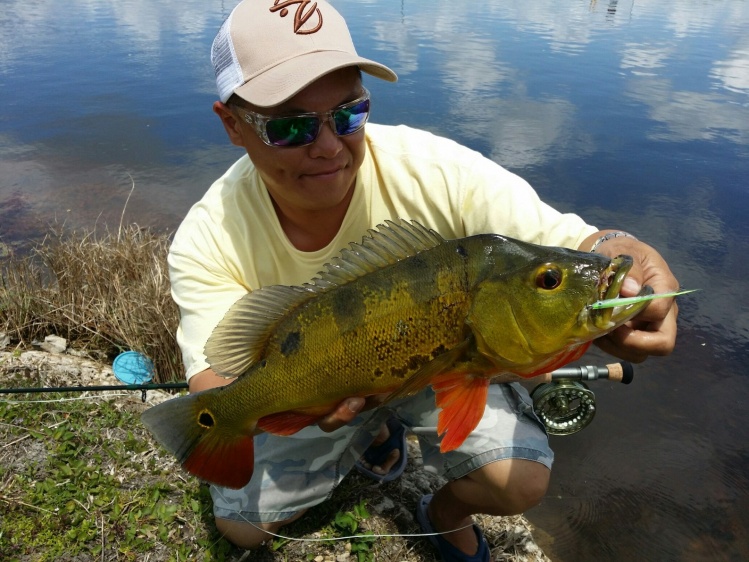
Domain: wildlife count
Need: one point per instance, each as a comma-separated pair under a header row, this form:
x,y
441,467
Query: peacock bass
x,y
403,309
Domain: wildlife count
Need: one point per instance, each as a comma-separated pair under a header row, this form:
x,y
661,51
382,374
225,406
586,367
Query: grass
x,y
80,480
83,480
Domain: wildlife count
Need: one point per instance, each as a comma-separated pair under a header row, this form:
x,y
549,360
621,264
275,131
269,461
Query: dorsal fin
x,y
391,242
240,338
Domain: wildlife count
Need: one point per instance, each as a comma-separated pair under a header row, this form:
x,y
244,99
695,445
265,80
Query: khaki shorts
x,y
298,471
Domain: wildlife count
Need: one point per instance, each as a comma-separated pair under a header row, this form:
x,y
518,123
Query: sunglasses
x,y
304,128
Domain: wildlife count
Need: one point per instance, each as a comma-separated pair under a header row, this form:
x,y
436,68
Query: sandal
x,y
447,551
375,455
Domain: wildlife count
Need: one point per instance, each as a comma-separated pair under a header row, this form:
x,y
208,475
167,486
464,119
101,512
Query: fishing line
x,y
372,536
349,537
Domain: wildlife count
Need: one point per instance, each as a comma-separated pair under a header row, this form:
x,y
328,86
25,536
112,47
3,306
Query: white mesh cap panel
x,y
225,65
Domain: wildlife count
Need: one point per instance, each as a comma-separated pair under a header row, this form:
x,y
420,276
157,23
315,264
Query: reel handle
x,y
622,372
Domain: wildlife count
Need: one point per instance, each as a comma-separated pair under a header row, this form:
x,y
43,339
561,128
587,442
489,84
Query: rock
x,y
385,504
54,344
4,340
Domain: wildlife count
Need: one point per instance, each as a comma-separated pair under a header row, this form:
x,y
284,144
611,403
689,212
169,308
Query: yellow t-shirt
x,y
231,242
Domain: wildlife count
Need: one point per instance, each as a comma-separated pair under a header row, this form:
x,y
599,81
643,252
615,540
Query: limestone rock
x,y
54,344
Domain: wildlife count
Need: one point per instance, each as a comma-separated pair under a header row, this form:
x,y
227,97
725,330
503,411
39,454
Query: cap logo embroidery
x,y
301,17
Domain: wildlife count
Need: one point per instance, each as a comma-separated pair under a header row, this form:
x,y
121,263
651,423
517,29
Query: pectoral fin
x,y
461,393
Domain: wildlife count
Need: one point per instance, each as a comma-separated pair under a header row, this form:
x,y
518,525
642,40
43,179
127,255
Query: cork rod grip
x,y
622,372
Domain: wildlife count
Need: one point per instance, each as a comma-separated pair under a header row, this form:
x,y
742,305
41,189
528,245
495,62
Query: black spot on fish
x,y
291,343
418,262
378,372
205,418
439,350
416,361
462,252
398,372
348,308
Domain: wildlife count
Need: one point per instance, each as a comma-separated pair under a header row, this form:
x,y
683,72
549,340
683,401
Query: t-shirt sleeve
x,y
204,286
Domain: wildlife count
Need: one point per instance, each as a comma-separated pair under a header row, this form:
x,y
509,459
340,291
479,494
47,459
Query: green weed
x,y
83,483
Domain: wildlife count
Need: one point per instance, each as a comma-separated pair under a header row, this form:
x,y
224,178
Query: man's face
x,y
318,176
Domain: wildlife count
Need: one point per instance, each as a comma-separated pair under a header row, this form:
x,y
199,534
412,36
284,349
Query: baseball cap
x,y
268,50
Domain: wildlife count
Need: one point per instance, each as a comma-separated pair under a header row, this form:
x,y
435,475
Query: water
x,y
633,114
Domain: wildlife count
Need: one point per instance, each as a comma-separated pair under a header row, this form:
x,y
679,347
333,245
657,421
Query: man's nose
x,y
327,143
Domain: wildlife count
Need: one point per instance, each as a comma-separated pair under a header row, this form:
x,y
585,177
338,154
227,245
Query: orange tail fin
x,y
462,397
215,453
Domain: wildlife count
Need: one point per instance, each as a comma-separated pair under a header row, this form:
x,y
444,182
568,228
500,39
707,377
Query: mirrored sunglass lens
x,y
290,131
350,119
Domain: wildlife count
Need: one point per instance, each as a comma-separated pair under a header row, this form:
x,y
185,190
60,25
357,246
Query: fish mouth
x,y
609,285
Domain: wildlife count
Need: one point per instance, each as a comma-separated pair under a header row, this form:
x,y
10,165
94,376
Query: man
x,y
315,179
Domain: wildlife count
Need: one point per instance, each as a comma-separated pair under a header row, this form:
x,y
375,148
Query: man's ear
x,y
229,120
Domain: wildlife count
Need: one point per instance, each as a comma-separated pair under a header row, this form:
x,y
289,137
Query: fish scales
x,y
399,311
408,313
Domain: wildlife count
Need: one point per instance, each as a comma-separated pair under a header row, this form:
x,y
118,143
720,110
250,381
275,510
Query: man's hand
x,y
348,410
653,331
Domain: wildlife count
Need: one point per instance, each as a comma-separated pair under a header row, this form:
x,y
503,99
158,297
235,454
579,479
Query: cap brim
x,y
283,81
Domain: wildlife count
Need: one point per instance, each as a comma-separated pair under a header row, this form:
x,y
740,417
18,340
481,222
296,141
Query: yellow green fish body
x,y
399,311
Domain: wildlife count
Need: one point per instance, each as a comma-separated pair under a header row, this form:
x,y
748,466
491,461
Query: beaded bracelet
x,y
610,236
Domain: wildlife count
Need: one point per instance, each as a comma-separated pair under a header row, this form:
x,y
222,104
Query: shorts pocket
x,y
522,404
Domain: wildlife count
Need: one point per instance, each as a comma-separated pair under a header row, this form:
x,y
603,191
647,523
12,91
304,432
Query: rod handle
x,y
622,372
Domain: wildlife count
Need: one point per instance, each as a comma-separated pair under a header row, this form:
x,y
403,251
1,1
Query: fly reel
x,y
565,407
564,404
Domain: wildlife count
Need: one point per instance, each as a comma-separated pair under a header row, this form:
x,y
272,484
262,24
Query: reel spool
x,y
565,405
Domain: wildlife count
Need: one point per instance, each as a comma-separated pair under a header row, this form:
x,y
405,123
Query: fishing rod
x,y
98,388
562,400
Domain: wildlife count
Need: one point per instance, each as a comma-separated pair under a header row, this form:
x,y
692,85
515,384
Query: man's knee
x,y
241,534
248,535
515,485
528,491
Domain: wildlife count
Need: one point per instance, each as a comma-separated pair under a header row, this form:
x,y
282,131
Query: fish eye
x,y
206,419
548,277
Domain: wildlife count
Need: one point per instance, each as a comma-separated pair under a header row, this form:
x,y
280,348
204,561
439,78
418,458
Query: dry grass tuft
x,y
102,292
